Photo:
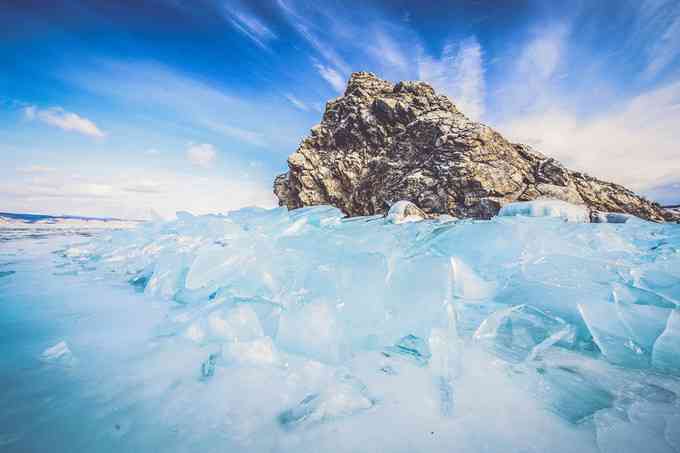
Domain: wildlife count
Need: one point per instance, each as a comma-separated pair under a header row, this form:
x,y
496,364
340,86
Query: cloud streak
x,y
458,73
67,121
296,102
307,29
194,104
252,28
660,19
333,77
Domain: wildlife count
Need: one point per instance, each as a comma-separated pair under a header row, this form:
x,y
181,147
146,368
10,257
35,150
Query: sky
x,y
130,108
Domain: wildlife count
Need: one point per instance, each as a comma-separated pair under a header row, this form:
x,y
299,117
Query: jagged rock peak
x,y
382,142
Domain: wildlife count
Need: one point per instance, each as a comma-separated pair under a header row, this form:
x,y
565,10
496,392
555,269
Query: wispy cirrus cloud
x,y
145,186
67,121
388,52
660,21
330,75
458,73
244,135
311,31
251,27
195,104
37,169
296,102
149,82
532,76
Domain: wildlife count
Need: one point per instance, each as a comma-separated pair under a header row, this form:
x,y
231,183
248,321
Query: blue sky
x,y
118,109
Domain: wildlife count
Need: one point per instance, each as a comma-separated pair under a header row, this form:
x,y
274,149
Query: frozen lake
x,y
276,331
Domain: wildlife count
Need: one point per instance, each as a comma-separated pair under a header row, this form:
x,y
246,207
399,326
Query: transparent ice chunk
x,y
612,336
666,353
256,352
411,347
340,399
521,332
311,330
208,367
467,284
616,435
573,395
446,349
237,323
168,275
547,208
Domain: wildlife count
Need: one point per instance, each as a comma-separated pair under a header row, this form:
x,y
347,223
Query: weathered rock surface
x,y
379,143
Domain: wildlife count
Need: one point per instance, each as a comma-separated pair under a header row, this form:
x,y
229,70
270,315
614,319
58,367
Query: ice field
x,y
301,331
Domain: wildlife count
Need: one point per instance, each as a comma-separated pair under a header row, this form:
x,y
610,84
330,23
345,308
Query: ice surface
x,y
547,208
666,354
280,331
522,332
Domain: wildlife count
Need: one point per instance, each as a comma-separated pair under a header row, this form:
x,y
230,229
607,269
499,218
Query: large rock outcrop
x,y
379,143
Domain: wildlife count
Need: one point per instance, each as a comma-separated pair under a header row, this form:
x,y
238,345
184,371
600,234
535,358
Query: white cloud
x,y
202,155
92,189
37,169
331,76
68,121
305,28
189,104
458,73
635,144
541,56
144,186
296,102
252,27
57,188
530,81
659,21
243,135
152,152
388,52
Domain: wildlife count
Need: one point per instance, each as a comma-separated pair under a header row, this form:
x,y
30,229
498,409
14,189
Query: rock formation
x,y
380,143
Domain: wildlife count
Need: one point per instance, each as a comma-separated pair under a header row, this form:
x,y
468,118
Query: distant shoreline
x,y
34,218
